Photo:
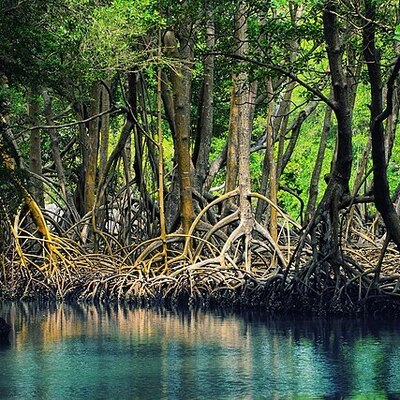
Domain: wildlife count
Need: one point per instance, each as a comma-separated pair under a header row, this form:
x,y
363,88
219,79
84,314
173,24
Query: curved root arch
x,y
222,245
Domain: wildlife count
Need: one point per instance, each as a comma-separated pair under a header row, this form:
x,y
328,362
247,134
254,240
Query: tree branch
x,y
112,110
316,92
390,89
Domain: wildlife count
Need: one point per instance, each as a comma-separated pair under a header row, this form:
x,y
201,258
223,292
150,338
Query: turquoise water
x,y
88,352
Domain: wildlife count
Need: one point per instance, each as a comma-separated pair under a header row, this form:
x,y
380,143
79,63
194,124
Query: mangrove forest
x,y
201,152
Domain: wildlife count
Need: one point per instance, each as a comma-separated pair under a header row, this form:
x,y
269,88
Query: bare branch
x,y
315,91
112,110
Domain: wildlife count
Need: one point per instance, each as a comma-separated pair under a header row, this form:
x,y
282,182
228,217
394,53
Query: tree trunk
x,y
240,109
148,126
206,110
392,122
295,129
281,127
283,156
35,152
313,192
215,166
232,155
172,209
55,151
243,96
361,170
393,119
383,200
325,224
79,195
269,182
92,150
341,91
104,130
282,118
181,84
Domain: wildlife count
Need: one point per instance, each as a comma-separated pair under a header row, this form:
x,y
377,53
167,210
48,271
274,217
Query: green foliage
x,y
396,35
65,45
54,43
394,165
117,37
40,39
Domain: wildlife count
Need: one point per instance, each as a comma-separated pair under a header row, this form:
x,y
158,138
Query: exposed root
x,y
206,266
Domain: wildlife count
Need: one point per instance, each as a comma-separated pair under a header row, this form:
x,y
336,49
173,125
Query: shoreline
x,y
272,296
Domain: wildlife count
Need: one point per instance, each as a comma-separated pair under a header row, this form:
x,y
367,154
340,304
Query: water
x,y
84,352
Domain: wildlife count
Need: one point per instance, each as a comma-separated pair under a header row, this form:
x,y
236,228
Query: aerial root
x,y
208,265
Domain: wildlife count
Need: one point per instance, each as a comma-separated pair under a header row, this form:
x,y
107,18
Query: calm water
x,y
84,352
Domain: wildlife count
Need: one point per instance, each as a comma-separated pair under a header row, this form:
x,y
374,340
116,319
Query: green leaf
x,y
396,35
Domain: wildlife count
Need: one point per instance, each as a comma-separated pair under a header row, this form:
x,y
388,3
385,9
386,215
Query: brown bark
x,y
148,127
35,152
281,127
172,209
206,111
282,118
277,130
127,160
104,130
361,170
181,86
10,163
316,174
112,160
118,151
79,195
161,176
168,102
245,97
92,150
143,147
232,165
139,143
239,99
269,182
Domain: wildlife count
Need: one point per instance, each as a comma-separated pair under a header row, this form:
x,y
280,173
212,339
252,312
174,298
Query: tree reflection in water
x,y
97,352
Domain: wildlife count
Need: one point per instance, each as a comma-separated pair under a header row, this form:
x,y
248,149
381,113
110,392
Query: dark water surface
x,y
88,352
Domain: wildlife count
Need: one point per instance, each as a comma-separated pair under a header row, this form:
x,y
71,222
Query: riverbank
x,y
275,292
204,271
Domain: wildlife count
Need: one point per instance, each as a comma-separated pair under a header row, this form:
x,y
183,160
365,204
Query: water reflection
x,y
88,352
